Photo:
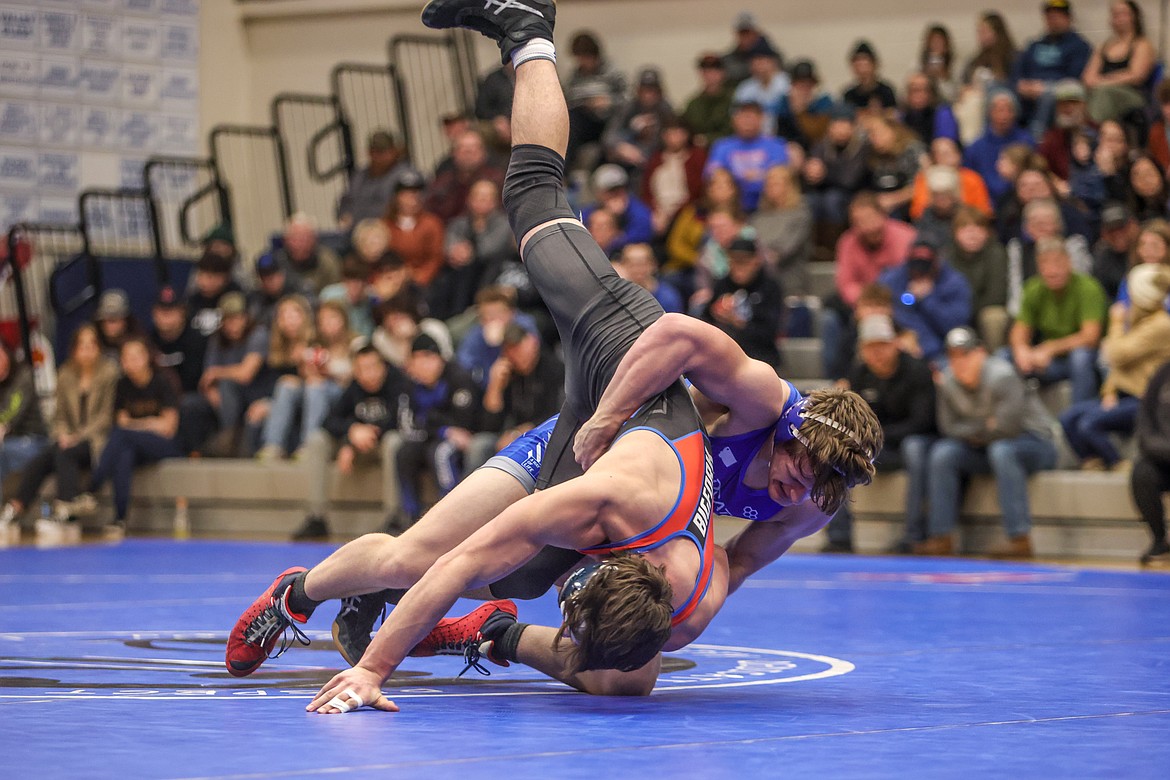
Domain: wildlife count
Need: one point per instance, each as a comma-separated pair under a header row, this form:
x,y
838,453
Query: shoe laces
x,y
472,657
273,621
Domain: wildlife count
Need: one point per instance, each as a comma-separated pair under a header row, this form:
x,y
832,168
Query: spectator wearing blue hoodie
x,y
748,154
495,310
1061,53
930,298
1001,132
635,220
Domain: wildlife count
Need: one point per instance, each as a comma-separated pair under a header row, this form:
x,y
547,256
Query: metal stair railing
x,y
250,162
436,82
317,160
187,201
369,98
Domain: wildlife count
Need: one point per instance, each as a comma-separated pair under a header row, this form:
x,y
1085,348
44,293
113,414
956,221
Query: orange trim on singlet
x,y
690,507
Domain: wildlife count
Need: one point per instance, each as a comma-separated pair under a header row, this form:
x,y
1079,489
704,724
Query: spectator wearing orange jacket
x,y
972,188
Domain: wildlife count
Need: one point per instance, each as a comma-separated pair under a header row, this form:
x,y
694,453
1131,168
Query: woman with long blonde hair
x,y
291,335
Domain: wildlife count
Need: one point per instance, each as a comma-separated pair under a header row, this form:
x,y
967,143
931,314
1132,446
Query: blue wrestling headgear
x,y
788,428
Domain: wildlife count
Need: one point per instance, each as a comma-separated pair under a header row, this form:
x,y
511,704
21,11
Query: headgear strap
x,y
788,428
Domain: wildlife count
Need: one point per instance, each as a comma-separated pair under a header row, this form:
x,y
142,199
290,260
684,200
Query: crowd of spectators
x,y
997,225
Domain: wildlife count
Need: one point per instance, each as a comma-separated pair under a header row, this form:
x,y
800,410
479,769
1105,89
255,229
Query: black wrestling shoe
x,y
510,23
1157,555
313,529
354,624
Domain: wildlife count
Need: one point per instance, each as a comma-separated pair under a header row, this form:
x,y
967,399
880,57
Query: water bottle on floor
x,y
182,520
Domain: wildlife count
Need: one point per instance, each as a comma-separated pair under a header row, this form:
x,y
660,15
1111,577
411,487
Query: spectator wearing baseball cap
x,y
632,135
115,323
415,233
869,94
943,200
1070,119
445,410
930,298
834,171
750,40
211,280
900,390
1114,250
371,188
177,346
634,220
272,284
803,115
972,190
708,112
235,355
749,153
747,303
1061,53
991,422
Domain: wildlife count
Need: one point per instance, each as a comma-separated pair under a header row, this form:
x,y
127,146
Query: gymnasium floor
x,y
827,667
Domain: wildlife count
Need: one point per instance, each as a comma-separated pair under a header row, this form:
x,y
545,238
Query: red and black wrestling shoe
x,y
255,634
463,635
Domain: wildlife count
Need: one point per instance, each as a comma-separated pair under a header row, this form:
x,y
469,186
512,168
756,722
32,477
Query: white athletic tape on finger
x,y
337,703
357,700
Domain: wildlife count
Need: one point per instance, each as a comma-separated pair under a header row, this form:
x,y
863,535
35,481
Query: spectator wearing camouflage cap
x,y
371,188
115,322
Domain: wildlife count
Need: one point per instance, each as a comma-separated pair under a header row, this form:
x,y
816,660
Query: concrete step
x,y
801,358
820,279
1075,514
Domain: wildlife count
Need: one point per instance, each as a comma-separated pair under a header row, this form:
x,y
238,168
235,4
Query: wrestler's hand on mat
x,y
349,690
593,439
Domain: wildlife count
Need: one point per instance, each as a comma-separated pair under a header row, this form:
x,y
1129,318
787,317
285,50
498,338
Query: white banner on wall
x,y
89,90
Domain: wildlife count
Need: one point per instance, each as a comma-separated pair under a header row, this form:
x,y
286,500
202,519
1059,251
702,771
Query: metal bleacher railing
x,y
254,178
438,78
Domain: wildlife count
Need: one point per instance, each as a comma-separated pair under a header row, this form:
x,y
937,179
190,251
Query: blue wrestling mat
x,y
111,665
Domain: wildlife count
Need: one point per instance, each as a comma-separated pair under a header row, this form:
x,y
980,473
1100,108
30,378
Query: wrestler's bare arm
x,y
714,363
759,544
563,516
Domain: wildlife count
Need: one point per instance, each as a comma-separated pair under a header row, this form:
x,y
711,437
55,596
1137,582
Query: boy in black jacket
x,y
1151,470
443,411
360,426
900,390
747,303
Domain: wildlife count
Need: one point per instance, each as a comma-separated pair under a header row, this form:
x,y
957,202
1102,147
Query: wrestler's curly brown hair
x,y
621,618
836,462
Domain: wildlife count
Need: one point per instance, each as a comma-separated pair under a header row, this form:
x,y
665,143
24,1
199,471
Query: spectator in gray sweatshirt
x,y
991,422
